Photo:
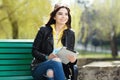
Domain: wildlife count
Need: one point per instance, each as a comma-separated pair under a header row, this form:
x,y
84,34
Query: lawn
x,y
90,54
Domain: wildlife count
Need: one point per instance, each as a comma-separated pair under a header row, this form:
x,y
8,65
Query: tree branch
x,y
12,12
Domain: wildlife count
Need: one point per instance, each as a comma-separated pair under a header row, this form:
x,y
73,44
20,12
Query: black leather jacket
x,y
43,44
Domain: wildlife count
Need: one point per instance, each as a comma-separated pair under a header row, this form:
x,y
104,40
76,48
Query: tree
x,y
12,16
103,16
109,18
21,15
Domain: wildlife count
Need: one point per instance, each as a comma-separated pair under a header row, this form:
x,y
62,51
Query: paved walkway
x,y
100,70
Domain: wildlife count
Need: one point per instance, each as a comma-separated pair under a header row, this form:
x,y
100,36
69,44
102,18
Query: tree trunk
x,y
113,43
12,18
14,24
15,30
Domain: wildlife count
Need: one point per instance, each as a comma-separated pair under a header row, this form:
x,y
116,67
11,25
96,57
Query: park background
x,y
95,22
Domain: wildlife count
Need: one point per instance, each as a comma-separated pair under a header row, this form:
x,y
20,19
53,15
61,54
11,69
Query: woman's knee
x,y
50,73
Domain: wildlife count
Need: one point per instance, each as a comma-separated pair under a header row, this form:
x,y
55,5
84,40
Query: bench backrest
x,y
15,59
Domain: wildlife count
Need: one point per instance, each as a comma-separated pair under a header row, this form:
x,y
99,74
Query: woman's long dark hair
x,y
53,13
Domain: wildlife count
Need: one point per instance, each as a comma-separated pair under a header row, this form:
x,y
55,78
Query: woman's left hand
x,y
71,58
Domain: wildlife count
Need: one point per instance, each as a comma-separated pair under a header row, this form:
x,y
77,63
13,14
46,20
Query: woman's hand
x,y
71,58
51,56
54,57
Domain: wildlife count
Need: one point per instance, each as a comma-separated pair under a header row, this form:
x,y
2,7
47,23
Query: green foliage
x,y
108,16
5,26
76,14
29,15
88,54
33,15
104,16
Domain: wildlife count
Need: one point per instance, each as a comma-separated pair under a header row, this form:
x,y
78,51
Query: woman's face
x,y
61,16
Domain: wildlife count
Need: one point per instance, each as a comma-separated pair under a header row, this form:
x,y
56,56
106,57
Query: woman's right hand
x,y
51,56
54,57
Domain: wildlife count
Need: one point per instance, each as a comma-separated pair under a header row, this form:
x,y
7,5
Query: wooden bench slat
x,y
15,73
14,67
15,56
17,78
18,45
14,62
15,50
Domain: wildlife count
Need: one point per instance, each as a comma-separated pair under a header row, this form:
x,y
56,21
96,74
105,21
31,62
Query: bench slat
x,y
15,50
15,73
15,56
17,78
14,45
14,62
14,67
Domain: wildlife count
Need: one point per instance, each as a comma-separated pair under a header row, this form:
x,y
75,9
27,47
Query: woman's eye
x,y
66,14
59,13
63,14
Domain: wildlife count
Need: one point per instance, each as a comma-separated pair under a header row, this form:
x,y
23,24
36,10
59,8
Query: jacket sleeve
x,y
37,45
70,40
72,44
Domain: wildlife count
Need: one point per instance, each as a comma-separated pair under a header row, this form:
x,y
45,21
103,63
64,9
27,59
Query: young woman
x,y
57,33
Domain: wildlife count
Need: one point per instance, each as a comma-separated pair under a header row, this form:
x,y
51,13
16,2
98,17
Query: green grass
x,y
87,54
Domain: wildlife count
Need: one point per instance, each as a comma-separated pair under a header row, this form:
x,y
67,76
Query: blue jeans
x,y
40,71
